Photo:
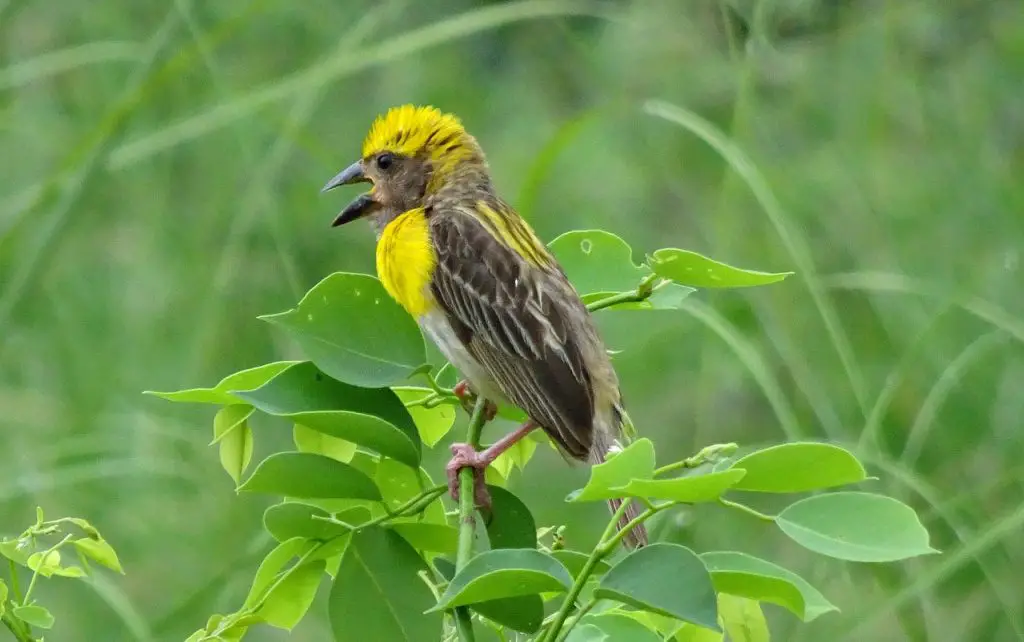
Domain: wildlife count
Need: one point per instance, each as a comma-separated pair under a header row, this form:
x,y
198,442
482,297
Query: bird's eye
x,y
385,160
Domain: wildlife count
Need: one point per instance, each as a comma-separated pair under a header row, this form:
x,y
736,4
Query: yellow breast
x,y
405,261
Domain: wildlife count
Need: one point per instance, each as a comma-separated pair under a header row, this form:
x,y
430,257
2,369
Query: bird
x,y
485,289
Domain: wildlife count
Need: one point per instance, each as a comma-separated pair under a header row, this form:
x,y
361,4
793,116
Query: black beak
x,y
351,174
363,205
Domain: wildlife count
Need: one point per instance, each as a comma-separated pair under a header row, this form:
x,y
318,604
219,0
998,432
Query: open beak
x,y
362,205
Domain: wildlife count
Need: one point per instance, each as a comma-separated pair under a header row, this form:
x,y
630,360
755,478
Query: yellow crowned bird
x,y
484,288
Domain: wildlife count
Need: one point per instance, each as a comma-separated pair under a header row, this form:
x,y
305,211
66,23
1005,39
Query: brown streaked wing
x,y
522,337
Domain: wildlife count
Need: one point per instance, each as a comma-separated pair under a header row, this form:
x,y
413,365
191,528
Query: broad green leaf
x,y
34,615
287,602
221,394
48,564
295,519
511,524
305,475
374,418
12,550
398,484
432,423
587,633
692,269
308,440
524,613
574,561
272,565
378,593
515,457
228,418
668,579
857,527
692,633
621,628
597,261
354,331
504,573
86,527
748,576
742,619
98,550
436,538
636,461
690,489
798,467
236,451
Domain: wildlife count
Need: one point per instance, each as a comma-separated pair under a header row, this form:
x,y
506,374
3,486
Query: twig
x,y
467,518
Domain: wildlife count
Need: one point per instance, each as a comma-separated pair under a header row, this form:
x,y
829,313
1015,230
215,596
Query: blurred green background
x,y
159,189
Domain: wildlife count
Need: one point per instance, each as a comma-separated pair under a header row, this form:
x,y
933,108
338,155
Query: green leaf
x,y
437,538
524,613
692,269
857,527
272,565
221,394
288,602
690,489
511,524
378,594
3,597
432,423
236,451
798,467
504,573
398,484
636,461
597,261
228,418
574,562
748,576
515,457
308,440
621,628
354,331
668,579
742,619
587,633
295,519
48,564
691,633
374,418
305,475
14,551
34,615
98,550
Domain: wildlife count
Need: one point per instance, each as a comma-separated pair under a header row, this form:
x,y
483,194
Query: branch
x,y
643,291
467,518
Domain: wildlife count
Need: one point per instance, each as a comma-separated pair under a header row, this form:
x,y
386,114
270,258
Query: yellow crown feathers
x,y
410,130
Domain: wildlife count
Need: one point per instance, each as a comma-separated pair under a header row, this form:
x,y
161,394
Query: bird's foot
x,y
467,398
464,456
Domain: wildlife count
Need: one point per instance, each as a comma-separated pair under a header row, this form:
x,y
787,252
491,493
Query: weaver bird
x,y
484,288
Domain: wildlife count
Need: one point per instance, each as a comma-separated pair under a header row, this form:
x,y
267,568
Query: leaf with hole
x,y
378,593
221,394
695,270
504,573
668,579
305,475
636,461
374,418
798,467
857,527
690,489
432,423
354,331
597,261
748,576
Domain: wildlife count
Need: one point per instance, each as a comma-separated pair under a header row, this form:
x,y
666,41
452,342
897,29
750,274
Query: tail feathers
x,y
603,442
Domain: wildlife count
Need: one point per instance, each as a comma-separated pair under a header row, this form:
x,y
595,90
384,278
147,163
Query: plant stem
x,y
42,561
743,508
467,518
709,453
641,293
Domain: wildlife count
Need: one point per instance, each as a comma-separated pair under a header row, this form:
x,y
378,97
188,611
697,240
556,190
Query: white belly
x,y
435,325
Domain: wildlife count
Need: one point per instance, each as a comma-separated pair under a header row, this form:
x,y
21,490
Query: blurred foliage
x,y
160,189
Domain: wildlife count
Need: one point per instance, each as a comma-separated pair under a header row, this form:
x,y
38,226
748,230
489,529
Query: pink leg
x,y
465,456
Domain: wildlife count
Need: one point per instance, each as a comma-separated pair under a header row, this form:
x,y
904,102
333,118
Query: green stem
x,y
642,292
415,505
743,508
709,453
576,619
15,627
467,518
42,560
15,587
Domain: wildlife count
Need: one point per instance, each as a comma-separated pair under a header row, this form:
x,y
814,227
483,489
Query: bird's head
x,y
410,154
